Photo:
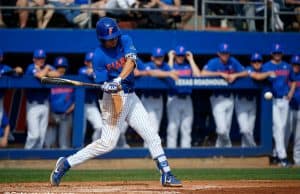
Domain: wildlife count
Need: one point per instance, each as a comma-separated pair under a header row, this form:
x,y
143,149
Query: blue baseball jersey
x,y
283,71
38,95
108,62
3,70
61,99
151,66
169,2
295,101
184,71
4,123
90,94
232,66
250,70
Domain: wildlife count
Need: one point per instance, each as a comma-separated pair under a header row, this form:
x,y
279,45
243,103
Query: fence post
x,y
78,116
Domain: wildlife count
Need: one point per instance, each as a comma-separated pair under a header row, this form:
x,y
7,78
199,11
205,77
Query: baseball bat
x,y
68,82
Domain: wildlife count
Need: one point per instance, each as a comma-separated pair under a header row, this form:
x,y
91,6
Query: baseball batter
x,y
91,111
222,102
295,108
113,64
282,95
37,102
179,106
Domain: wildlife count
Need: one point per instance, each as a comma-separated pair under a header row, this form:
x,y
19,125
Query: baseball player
x,y
282,94
6,70
37,102
113,64
153,99
295,108
179,105
4,131
62,106
222,102
92,113
245,103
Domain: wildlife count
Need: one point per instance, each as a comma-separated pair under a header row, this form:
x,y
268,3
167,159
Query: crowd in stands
x,y
49,111
77,14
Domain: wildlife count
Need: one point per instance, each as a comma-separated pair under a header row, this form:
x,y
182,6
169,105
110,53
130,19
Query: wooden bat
x,y
68,82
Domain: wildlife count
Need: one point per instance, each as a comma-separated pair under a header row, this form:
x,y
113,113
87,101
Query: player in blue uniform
x,y
179,106
222,102
153,99
91,111
6,70
281,96
295,108
4,131
113,64
37,102
62,106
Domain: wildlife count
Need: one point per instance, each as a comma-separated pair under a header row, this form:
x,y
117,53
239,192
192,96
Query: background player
x,y
91,111
295,109
113,63
4,131
62,106
37,102
281,96
179,106
222,102
153,99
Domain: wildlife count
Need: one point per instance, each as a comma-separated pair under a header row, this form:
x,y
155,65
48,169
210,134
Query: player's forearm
x,y
128,68
210,73
195,69
259,76
241,74
4,139
159,73
292,90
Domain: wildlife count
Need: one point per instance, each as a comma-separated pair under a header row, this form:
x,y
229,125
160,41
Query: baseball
x,y
268,95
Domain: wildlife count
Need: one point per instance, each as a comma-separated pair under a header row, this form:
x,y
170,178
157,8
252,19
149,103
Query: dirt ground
x,y
153,187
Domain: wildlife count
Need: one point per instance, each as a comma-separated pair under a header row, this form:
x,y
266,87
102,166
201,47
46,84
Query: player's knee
x,y
153,141
222,132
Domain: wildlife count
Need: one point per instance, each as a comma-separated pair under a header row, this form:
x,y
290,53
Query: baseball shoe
x,y
284,163
273,160
169,180
62,166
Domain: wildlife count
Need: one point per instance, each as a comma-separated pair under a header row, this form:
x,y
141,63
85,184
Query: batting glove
x,y
111,87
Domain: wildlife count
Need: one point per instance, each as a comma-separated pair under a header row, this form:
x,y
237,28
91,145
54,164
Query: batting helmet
x,y
107,29
89,56
61,62
277,48
295,60
39,54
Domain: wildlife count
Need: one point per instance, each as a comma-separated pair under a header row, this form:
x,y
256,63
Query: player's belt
x,y
37,101
182,96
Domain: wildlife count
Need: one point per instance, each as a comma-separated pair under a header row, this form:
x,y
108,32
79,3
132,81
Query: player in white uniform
x,y
114,63
281,96
91,111
179,106
37,102
294,121
153,99
222,102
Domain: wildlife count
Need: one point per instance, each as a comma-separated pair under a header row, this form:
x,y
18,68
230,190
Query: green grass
x,y
32,175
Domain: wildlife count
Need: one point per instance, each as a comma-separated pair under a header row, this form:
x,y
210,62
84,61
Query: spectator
x,y
282,94
97,6
294,5
92,113
62,106
2,24
153,99
247,10
295,109
123,4
174,6
73,16
37,102
222,102
4,131
179,105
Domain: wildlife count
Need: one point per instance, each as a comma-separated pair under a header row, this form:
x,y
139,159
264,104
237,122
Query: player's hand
x,y
19,70
272,74
224,76
231,78
171,54
111,87
89,71
189,56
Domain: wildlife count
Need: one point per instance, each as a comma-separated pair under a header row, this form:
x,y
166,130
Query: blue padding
x,y
81,41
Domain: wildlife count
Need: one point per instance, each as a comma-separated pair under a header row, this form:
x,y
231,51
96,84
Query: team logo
x,y
110,30
277,46
181,49
158,50
225,46
60,61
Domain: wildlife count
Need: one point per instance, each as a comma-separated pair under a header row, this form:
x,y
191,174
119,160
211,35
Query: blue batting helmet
x,y
158,52
61,62
256,57
277,48
180,50
107,29
224,48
